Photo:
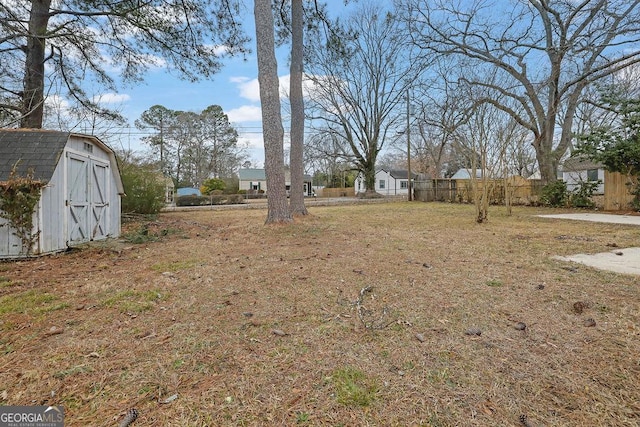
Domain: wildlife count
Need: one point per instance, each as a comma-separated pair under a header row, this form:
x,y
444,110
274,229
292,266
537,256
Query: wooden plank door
x,y
99,200
77,198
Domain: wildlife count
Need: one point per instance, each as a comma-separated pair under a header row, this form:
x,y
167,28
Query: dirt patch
x,y
386,314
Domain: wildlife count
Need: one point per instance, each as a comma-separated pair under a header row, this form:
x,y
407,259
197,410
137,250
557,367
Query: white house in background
x,y
389,182
81,199
252,180
576,170
255,180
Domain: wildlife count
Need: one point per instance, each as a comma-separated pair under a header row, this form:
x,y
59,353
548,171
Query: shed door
x,y
88,201
78,198
99,200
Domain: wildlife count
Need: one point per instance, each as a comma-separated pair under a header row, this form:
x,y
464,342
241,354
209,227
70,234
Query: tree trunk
x,y
296,100
33,96
369,174
547,161
272,130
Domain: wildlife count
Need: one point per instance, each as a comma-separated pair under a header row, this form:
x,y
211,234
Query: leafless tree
x,y
440,109
549,50
360,74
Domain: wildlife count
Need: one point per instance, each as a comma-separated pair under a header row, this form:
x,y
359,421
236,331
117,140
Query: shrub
x,y
634,190
144,189
581,196
192,200
235,199
212,185
217,199
554,194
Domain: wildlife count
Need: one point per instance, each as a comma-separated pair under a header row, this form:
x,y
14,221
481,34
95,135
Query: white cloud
x,y
111,98
57,102
252,139
245,113
219,50
250,88
238,79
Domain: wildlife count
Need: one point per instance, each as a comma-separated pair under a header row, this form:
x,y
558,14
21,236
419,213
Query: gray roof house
x,y
255,180
80,200
252,179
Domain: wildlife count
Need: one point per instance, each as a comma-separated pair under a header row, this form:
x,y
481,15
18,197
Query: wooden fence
x,y
336,192
521,191
617,191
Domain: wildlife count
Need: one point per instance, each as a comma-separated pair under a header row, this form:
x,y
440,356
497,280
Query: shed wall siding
x,y
10,245
51,213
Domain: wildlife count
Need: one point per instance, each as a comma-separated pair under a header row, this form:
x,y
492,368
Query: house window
x,y
592,175
88,147
403,185
381,184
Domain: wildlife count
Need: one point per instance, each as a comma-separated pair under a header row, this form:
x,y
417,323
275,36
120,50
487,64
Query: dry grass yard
x,y
392,314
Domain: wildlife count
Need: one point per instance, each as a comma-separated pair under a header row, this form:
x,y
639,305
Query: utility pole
x,y
409,186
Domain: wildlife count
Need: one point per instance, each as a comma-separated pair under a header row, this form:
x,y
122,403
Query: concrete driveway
x,y
597,217
626,261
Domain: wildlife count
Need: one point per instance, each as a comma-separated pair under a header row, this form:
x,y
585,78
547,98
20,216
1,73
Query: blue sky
x,y
235,88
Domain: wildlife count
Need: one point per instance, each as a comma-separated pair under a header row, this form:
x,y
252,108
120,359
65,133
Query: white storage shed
x,y
81,199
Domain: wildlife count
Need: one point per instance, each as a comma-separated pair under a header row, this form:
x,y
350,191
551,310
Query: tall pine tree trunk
x,y
296,100
33,96
272,130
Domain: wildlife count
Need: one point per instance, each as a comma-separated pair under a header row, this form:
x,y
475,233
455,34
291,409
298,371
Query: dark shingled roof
x,y
401,174
31,149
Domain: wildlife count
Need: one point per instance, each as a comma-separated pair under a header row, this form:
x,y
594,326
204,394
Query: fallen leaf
x,y
169,399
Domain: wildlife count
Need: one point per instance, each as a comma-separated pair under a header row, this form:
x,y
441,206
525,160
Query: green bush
x,y
144,189
635,191
210,186
234,199
555,194
217,199
581,196
214,199
192,200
